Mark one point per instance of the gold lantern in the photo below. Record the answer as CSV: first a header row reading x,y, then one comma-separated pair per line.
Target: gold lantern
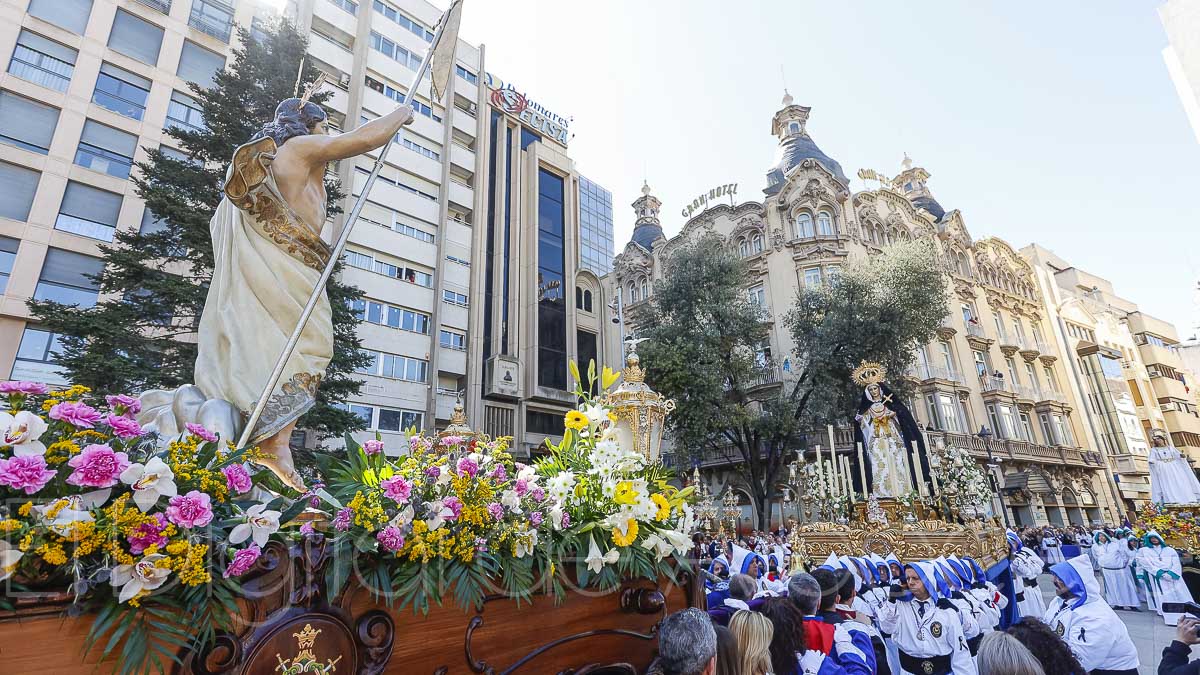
x,y
640,411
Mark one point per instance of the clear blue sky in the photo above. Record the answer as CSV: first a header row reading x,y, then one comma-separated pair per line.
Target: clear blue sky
x,y
1053,122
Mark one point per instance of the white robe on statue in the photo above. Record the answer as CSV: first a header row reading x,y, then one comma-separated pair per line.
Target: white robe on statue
x,y
884,445
1165,576
266,263
1171,479
1114,557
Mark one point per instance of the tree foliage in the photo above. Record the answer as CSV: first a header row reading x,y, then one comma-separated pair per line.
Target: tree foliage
x,y
141,335
733,404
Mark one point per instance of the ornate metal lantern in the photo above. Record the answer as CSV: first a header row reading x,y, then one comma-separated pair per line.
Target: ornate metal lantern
x,y
458,424
732,510
640,411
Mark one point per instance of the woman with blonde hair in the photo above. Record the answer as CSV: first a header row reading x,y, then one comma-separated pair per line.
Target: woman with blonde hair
x,y
1002,654
753,632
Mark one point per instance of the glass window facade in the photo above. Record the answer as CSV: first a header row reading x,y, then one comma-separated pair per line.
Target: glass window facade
x,y
197,64
43,61
8,256
184,111
595,228
88,212
552,320
586,343
105,149
70,14
121,91
36,356
212,17
397,16
18,186
135,38
26,123
69,278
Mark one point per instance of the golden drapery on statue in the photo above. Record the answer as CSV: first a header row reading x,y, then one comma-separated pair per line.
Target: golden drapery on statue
x,y
266,263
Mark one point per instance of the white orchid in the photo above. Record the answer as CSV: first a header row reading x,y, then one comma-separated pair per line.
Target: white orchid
x,y
444,476
260,525
149,481
556,516
511,501
9,557
440,514
688,520
596,561
561,485
144,575
661,547
70,510
526,542
404,517
22,432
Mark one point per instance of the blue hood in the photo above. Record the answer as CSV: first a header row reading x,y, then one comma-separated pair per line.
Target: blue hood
x,y
1014,542
925,571
1076,574
976,569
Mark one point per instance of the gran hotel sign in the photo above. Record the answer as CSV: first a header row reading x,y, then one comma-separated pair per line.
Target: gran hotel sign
x,y
530,113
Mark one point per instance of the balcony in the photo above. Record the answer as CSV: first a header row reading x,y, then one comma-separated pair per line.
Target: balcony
x,y
464,122
461,194
1152,354
463,157
1051,396
1144,323
927,373
992,384
446,400
212,18
977,338
1009,344
1169,387
1181,421
1016,450
1047,352
163,6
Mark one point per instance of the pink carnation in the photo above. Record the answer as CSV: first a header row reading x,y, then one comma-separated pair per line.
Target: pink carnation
x,y
79,415
123,427
467,466
343,519
191,510
451,440
243,560
124,405
496,509
97,466
148,534
201,433
535,518
538,494
20,387
397,489
26,473
237,478
455,507
372,447
499,473
390,538
521,487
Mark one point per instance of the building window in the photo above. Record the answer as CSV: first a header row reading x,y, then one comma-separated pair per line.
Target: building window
x,y
645,288
551,314
390,315
395,52
458,261
396,367
70,14
949,413
1012,370
793,128
212,17
452,340
545,423
824,224
36,357
418,148
18,186
135,38
397,96
804,226
947,357
981,364
88,212
466,74
1051,381
69,278
121,91
744,247
105,149
184,111
399,420
26,123
199,65
364,412
1047,429
396,15
43,61
812,278
8,256
454,298
346,5
758,295
1026,428
1062,429
995,421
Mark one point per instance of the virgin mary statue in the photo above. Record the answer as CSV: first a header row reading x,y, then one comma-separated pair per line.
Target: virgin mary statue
x,y
886,430
1171,479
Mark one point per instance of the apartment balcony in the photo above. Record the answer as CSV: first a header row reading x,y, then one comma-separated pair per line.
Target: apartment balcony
x,y
1169,387
461,156
946,330
1181,421
1016,450
1028,394
163,6
1009,344
464,122
338,17
446,400
977,338
216,27
333,53
930,373
1051,396
1047,353
1152,354
461,194
452,361
1144,323
990,384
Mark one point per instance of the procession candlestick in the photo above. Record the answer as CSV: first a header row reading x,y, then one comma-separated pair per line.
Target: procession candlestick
x,y
847,474
833,475
820,475
862,471
340,245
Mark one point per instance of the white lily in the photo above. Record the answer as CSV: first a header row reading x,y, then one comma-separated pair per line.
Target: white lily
x,y
661,547
555,515
595,414
440,514
22,432
511,501
678,540
9,557
403,518
149,481
444,476
143,575
689,519
73,509
260,525
596,561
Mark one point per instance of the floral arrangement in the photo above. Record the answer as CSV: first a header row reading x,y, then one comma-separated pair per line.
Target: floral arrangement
x,y
962,480
152,539
458,512
1178,530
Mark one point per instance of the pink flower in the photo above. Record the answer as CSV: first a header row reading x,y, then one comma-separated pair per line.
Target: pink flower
x,y
451,440
499,473
201,433
124,405
237,478
455,507
539,495
123,427
521,487
79,415
433,471
535,518
97,466
468,466
566,520
397,489
26,473
496,509
243,560
147,535
372,447
341,522
307,529
20,387
390,538
191,510
412,442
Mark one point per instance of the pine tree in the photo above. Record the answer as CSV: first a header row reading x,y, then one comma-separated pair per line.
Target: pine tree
x,y
143,335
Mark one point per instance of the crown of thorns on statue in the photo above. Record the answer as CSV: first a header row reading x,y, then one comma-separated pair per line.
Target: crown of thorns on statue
x,y
868,373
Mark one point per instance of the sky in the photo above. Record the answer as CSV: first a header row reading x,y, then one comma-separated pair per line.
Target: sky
x,y
1048,122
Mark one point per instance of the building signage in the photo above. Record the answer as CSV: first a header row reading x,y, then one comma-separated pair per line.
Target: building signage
x,y
529,112
700,203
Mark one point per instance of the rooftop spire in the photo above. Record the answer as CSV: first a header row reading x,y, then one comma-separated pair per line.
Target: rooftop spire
x,y
646,226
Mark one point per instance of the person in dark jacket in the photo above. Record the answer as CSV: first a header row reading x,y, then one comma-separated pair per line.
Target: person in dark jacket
x,y
1175,656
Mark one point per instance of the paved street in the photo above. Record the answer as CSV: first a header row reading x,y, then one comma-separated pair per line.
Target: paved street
x,y
1146,628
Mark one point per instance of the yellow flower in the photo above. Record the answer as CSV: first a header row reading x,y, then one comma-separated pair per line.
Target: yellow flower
x,y
664,507
575,420
625,494
608,377
631,533
25,509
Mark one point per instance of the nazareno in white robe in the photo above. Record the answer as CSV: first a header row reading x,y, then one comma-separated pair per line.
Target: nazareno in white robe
x,y
1171,479
1165,575
1089,627
1114,557
266,263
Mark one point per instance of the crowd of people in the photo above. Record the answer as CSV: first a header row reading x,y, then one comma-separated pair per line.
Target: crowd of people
x,y
880,614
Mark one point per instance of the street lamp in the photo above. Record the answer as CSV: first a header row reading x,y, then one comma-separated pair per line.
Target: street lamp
x,y
986,435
